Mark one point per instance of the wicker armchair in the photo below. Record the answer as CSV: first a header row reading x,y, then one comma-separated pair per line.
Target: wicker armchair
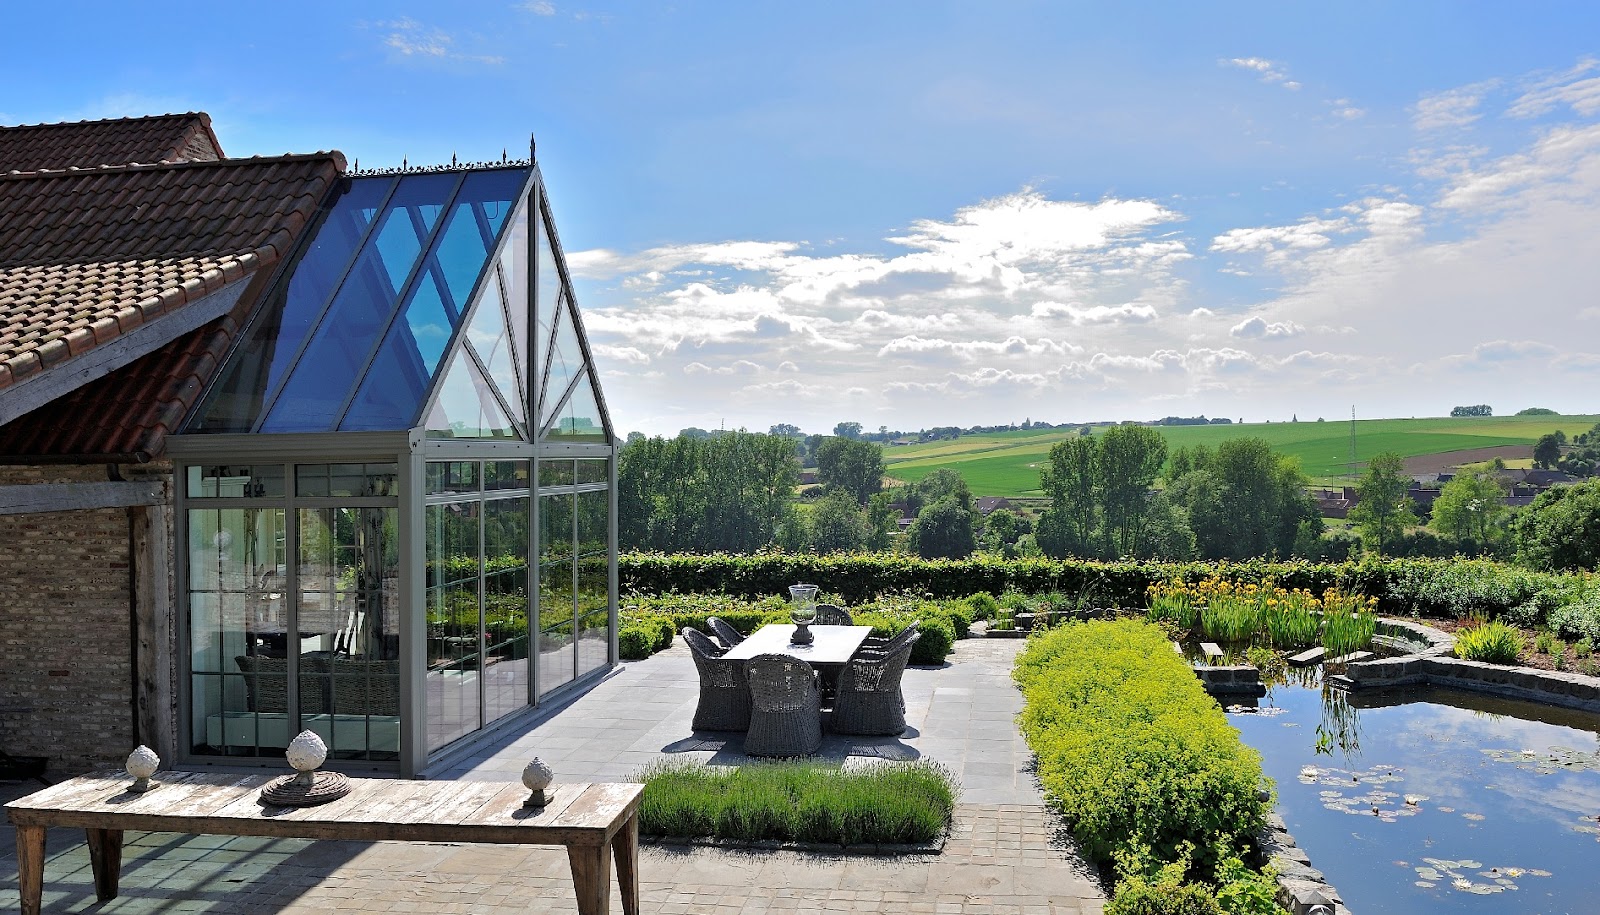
x,y
724,631
868,699
786,708
724,696
833,615
880,646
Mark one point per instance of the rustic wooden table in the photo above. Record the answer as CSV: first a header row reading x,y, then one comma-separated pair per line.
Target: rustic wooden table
x,y
593,821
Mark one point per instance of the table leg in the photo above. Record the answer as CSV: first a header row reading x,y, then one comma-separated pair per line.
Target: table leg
x,y
30,867
591,877
625,848
105,859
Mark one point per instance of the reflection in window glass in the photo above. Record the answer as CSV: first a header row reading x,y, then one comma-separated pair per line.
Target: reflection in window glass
x,y
452,607
498,475
557,626
593,511
282,324
506,607
593,472
514,275
452,476
328,480
580,419
235,481
489,339
237,603
555,472
549,280
393,390
466,407
324,376
347,634
566,360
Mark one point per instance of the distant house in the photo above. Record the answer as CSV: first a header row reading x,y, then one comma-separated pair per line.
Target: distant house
x,y
1334,503
989,504
808,477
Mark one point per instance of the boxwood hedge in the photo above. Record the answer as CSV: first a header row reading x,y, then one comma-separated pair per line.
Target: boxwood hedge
x,y
1131,751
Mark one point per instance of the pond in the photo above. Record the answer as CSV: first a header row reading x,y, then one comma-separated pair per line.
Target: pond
x,y
1430,800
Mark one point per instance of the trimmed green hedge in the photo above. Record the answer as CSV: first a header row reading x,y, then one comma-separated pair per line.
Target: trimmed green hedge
x,y
1429,587
1136,757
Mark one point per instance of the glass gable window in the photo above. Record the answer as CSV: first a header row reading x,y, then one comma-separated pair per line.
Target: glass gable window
x,y
397,524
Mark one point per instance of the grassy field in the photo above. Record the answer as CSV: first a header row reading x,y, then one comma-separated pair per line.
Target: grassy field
x,y
1007,463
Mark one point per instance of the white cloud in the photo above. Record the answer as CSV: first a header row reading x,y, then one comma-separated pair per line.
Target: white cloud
x,y
624,354
540,7
1258,328
975,349
1453,108
1269,71
1127,313
411,38
1570,88
1312,233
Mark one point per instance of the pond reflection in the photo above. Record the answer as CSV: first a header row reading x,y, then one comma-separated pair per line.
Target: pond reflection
x,y
1423,800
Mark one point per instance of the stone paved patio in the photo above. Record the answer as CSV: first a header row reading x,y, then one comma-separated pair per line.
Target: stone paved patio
x,y
1002,857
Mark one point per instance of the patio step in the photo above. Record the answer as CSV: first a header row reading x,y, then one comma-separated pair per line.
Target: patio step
x,y
1351,658
1308,657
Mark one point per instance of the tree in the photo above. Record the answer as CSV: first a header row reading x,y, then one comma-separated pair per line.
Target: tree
x,y
729,492
1383,510
1469,507
1561,529
847,430
1547,451
787,430
1242,500
1481,409
943,531
944,483
1128,461
1537,411
1068,478
693,432
855,467
838,525
883,520
634,436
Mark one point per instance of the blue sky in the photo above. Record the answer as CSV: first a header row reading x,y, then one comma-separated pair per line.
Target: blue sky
x,y
916,214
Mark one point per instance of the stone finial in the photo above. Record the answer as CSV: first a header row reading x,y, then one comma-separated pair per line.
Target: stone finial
x,y
537,777
142,763
305,753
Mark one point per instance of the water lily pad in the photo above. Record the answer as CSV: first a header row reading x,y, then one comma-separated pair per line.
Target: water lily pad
x,y
1426,885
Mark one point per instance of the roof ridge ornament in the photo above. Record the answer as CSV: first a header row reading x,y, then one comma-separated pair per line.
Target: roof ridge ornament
x,y
454,165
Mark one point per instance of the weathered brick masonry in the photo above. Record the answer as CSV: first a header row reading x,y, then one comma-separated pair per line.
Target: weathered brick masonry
x,y
66,627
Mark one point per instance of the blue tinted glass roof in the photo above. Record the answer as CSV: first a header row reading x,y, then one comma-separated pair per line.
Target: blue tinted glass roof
x,y
354,332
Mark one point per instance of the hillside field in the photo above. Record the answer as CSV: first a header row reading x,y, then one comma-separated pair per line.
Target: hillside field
x,y
1007,463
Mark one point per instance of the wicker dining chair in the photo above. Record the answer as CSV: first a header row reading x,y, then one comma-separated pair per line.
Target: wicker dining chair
x,y
785,707
724,631
879,646
833,615
868,699
724,695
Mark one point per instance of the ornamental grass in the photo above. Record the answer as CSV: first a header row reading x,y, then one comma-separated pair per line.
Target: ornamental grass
x,y
891,803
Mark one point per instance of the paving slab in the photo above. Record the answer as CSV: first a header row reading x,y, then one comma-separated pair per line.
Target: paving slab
x,y
1004,853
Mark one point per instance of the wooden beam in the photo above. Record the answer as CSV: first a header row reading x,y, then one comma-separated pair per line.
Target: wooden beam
x,y
65,497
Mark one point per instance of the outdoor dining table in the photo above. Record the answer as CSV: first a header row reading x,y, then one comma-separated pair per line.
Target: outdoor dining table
x,y
831,646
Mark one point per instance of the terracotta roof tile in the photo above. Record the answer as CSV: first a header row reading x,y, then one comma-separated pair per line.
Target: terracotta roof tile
x,y
134,408
90,249
119,141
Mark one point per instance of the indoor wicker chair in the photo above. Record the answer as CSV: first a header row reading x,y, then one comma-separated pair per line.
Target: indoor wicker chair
x,y
724,631
786,708
833,615
724,696
868,699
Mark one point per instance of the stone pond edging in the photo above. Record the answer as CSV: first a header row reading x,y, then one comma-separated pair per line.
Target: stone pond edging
x,y
1435,665
1302,889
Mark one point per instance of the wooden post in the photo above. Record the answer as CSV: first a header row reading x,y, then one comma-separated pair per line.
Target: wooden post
x,y
105,859
591,877
625,848
30,867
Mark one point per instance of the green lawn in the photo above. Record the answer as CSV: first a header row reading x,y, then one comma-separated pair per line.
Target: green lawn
x,y
1007,463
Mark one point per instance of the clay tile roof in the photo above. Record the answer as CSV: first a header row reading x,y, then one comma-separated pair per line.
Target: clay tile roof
x,y
120,141
87,256
133,408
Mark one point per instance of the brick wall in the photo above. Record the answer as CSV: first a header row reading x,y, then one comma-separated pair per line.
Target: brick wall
x,y
65,632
